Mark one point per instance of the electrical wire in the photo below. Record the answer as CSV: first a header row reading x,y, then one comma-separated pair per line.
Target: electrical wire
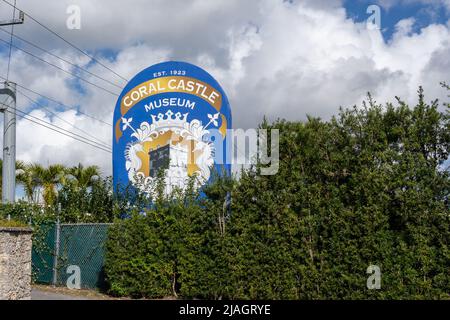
x,y
58,57
65,106
68,42
62,119
76,134
63,70
99,145
105,145
60,128
60,103
55,128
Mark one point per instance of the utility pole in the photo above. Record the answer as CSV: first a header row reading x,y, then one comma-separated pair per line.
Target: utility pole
x,y
8,107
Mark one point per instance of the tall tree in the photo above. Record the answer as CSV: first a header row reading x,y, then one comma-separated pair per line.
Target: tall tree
x,y
20,169
49,178
26,176
84,176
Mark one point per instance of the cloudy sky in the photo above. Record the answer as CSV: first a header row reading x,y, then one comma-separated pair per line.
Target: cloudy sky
x,y
276,58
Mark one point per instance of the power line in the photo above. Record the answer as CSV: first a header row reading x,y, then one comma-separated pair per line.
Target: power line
x,y
10,42
62,129
65,106
62,119
65,134
49,123
58,57
68,107
63,70
59,103
75,134
69,43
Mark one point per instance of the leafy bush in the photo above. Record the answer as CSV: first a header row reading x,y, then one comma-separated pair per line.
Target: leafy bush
x,y
153,252
89,204
25,212
365,188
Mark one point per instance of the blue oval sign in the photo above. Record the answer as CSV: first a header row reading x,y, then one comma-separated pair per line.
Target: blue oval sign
x,y
172,116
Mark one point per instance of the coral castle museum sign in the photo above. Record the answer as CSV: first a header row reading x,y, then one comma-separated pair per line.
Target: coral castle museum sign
x,y
171,120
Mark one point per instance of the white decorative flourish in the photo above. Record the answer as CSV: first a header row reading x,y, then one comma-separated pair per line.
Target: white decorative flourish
x,y
133,163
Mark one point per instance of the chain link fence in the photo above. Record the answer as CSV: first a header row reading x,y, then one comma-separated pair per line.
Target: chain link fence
x,y
58,249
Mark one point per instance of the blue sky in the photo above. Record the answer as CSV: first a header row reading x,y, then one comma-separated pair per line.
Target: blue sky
x,y
424,13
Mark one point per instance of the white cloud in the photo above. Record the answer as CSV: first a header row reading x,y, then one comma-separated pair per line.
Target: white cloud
x,y
275,58
38,144
404,27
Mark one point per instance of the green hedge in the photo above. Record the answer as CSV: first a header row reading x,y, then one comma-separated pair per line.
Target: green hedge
x,y
12,224
153,254
365,188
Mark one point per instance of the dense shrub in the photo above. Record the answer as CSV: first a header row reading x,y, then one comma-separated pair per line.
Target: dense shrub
x,y
153,252
86,204
74,204
366,188
25,212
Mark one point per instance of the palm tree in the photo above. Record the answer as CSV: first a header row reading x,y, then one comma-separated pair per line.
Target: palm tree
x,y
84,176
20,168
25,175
48,179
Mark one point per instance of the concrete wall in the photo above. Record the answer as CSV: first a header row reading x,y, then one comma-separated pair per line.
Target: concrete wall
x,y
15,263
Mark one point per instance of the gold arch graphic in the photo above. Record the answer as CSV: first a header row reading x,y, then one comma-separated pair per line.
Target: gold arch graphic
x,y
165,139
